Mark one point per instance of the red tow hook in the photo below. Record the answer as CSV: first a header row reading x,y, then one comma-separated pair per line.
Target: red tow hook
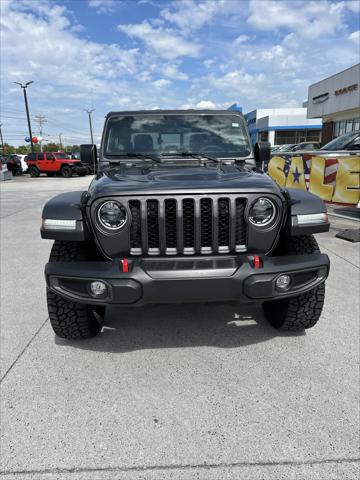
x,y
125,265
257,263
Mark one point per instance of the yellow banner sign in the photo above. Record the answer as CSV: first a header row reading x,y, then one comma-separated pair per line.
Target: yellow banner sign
x,y
334,179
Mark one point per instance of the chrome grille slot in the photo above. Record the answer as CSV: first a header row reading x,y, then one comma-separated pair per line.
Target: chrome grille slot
x,y
224,224
206,223
135,228
187,225
240,229
170,224
153,226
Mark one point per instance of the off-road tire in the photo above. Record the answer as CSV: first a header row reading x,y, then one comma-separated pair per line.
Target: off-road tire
x,y
72,320
34,172
302,311
66,172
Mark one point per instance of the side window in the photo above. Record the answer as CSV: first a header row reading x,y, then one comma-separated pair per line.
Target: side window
x,y
355,144
31,157
40,156
49,156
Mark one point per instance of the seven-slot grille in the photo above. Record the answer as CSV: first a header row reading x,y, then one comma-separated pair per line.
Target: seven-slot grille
x,y
184,225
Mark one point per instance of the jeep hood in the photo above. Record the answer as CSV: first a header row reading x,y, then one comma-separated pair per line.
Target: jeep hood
x,y
162,179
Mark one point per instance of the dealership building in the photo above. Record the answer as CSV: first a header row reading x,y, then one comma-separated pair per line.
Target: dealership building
x,y
336,100
283,126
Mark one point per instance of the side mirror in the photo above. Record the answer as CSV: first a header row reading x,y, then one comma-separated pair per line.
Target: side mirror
x,y
88,154
262,153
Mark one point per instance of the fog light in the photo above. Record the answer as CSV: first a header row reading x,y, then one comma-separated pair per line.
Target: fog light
x,y
283,283
98,289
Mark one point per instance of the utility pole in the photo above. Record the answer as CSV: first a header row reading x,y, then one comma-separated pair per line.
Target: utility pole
x,y
40,119
24,87
60,141
2,140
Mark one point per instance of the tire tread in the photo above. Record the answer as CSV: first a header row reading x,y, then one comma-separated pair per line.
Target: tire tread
x,y
302,311
71,320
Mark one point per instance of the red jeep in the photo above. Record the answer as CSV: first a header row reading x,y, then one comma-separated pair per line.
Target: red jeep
x,y
53,163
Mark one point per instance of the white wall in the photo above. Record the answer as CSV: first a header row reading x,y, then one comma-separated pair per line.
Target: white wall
x,y
294,118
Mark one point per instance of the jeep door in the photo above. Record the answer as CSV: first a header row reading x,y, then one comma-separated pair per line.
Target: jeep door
x,y
51,163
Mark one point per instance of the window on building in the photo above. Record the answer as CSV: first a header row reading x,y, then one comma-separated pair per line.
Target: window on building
x,y
346,126
283,137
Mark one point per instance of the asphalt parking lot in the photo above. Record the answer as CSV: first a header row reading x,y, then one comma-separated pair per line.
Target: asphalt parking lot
x,y
172,392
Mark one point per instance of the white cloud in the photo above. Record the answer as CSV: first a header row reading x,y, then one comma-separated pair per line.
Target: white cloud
x,y
164,42
309,19
172,71
241,39
355,37
191,15
238,82
353,5
209,62
206,104
104,6
162,82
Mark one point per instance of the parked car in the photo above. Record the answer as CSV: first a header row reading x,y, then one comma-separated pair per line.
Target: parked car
x,y
23,163
347,141
13,163
199,223
306,146
53,163
286,147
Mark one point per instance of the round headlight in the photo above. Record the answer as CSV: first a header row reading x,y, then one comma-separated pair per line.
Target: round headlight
x,y
262,212
112,215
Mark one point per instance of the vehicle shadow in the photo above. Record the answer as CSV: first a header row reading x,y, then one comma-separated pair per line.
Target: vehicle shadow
x,y
223,325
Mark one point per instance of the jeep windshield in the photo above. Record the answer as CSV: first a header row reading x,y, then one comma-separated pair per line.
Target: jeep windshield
x,y
162,135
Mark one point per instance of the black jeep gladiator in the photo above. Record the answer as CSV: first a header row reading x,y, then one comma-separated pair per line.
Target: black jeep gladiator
x,y
180,211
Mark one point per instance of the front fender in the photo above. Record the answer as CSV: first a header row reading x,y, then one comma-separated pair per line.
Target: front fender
x,y
307,213
63,218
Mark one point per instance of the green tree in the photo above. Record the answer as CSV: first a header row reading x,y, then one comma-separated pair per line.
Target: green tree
x,y
8,149
23,149
73,148
51,147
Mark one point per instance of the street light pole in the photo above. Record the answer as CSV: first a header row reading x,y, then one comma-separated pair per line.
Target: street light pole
x,y
24,87
90,124
92,137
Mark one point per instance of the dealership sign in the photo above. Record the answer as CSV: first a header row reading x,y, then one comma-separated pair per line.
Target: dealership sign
x,y
335,179
350,88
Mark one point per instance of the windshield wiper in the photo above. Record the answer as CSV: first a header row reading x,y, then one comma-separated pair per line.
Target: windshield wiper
x,y
199,156
137,155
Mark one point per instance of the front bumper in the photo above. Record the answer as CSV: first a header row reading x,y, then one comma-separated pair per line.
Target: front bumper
x,y
199,279
80,169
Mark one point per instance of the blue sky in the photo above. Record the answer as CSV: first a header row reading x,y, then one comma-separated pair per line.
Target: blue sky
x,y
147,54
